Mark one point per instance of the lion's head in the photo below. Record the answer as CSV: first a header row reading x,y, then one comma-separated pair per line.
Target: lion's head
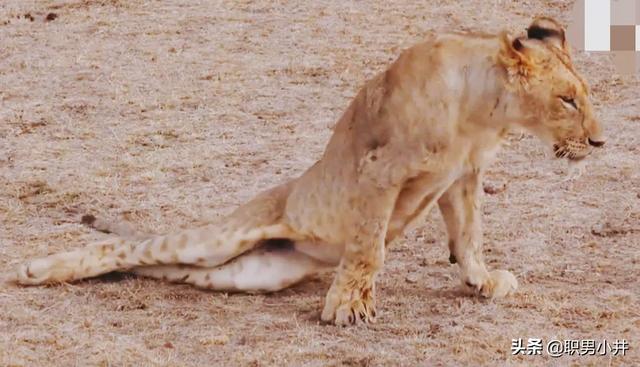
x,y
551,94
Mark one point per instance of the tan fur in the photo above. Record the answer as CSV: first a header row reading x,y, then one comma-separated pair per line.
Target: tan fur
x,y
417,135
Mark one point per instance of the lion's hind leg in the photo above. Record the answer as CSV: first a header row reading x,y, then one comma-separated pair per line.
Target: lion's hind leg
x,y
265,269
208,246
70,265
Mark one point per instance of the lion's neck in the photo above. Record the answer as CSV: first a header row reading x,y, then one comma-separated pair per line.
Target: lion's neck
x,y
489,104
497,93
489,108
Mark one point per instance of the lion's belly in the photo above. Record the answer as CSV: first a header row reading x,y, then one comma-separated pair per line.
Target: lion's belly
x,y
421,193
416,199
322,251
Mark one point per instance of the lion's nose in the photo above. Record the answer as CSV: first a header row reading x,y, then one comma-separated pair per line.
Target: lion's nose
x,y
596,143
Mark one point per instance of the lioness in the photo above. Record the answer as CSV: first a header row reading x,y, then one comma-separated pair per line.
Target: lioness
x,y
420,133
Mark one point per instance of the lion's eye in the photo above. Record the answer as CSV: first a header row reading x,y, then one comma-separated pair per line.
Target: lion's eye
x,y
568,101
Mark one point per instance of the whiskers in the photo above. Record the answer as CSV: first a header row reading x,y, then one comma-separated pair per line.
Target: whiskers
x,y
560,151
571,152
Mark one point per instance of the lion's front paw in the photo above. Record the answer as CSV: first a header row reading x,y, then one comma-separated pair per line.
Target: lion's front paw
x,y
352,307
501,284
497,284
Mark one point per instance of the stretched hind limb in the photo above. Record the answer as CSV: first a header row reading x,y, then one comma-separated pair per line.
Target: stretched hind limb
x,y
207,246
259,270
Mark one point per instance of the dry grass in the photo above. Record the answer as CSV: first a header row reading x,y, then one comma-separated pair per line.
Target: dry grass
x,y
171,112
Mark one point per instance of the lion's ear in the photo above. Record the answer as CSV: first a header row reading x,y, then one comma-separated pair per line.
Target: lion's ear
x,y
512,50
514,57
548,31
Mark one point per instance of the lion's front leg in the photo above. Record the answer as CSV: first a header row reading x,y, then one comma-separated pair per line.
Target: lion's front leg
x,y
351,298
460,207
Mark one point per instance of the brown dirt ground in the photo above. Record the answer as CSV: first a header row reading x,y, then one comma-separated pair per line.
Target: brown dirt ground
x,y
169,113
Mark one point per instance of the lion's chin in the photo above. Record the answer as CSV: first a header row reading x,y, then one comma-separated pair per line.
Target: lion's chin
x,y
577,158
